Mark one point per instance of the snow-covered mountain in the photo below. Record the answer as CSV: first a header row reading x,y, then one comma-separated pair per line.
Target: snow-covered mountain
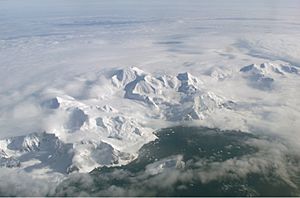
x,y
262,76
6,161
70,102
108,130
94,134
175,97
42,149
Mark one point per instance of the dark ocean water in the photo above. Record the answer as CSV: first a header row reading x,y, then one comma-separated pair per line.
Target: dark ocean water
x,y
188,161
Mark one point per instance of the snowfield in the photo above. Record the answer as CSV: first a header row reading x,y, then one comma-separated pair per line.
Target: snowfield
x,y
85,84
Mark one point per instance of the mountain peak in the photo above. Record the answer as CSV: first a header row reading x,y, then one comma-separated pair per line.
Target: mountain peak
x,y
124,76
